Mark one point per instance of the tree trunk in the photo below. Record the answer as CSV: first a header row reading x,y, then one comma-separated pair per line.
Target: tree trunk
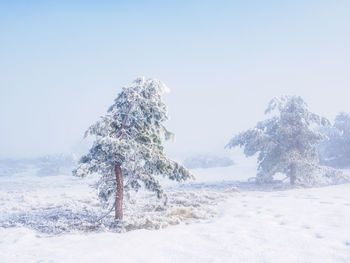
x,y
292,173
120,192
119,176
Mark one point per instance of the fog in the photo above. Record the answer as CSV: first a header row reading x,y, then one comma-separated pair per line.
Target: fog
x,y
62,66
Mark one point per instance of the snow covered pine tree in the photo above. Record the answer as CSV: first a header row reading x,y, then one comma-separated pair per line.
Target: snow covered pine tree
x,y
128,150
287,144
335,151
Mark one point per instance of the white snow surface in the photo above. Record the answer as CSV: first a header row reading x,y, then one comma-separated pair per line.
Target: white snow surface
x,y
207,220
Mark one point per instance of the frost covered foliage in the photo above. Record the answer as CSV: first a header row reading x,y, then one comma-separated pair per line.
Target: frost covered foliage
x,y
287,143
57,212
335,150
130,135
66,204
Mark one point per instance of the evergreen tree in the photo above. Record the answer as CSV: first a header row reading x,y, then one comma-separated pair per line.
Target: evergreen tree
x,y
128,150
335,150
286,143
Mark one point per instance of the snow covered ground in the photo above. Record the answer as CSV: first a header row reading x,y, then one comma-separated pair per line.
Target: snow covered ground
x,y
206,221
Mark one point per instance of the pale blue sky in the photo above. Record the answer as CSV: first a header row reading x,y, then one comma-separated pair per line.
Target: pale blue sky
x,y
62,64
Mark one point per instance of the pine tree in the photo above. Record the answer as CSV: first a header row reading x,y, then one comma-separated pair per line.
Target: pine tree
x,y
335,150
286,143
128,150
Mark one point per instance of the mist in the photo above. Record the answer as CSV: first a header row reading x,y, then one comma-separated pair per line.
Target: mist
x,y
62,67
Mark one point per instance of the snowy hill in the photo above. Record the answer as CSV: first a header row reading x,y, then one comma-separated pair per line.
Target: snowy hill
x,y
41,166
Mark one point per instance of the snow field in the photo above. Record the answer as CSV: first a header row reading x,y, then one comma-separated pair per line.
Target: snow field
x,y
299,225
214,222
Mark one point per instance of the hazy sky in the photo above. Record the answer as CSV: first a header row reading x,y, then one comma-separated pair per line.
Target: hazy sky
x,y
62,65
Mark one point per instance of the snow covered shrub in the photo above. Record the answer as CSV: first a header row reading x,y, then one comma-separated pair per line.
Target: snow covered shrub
x,y
207,161
335,150
55,164
287,143
128,150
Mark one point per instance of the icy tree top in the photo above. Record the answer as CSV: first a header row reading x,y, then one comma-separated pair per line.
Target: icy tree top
x,y
296,106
